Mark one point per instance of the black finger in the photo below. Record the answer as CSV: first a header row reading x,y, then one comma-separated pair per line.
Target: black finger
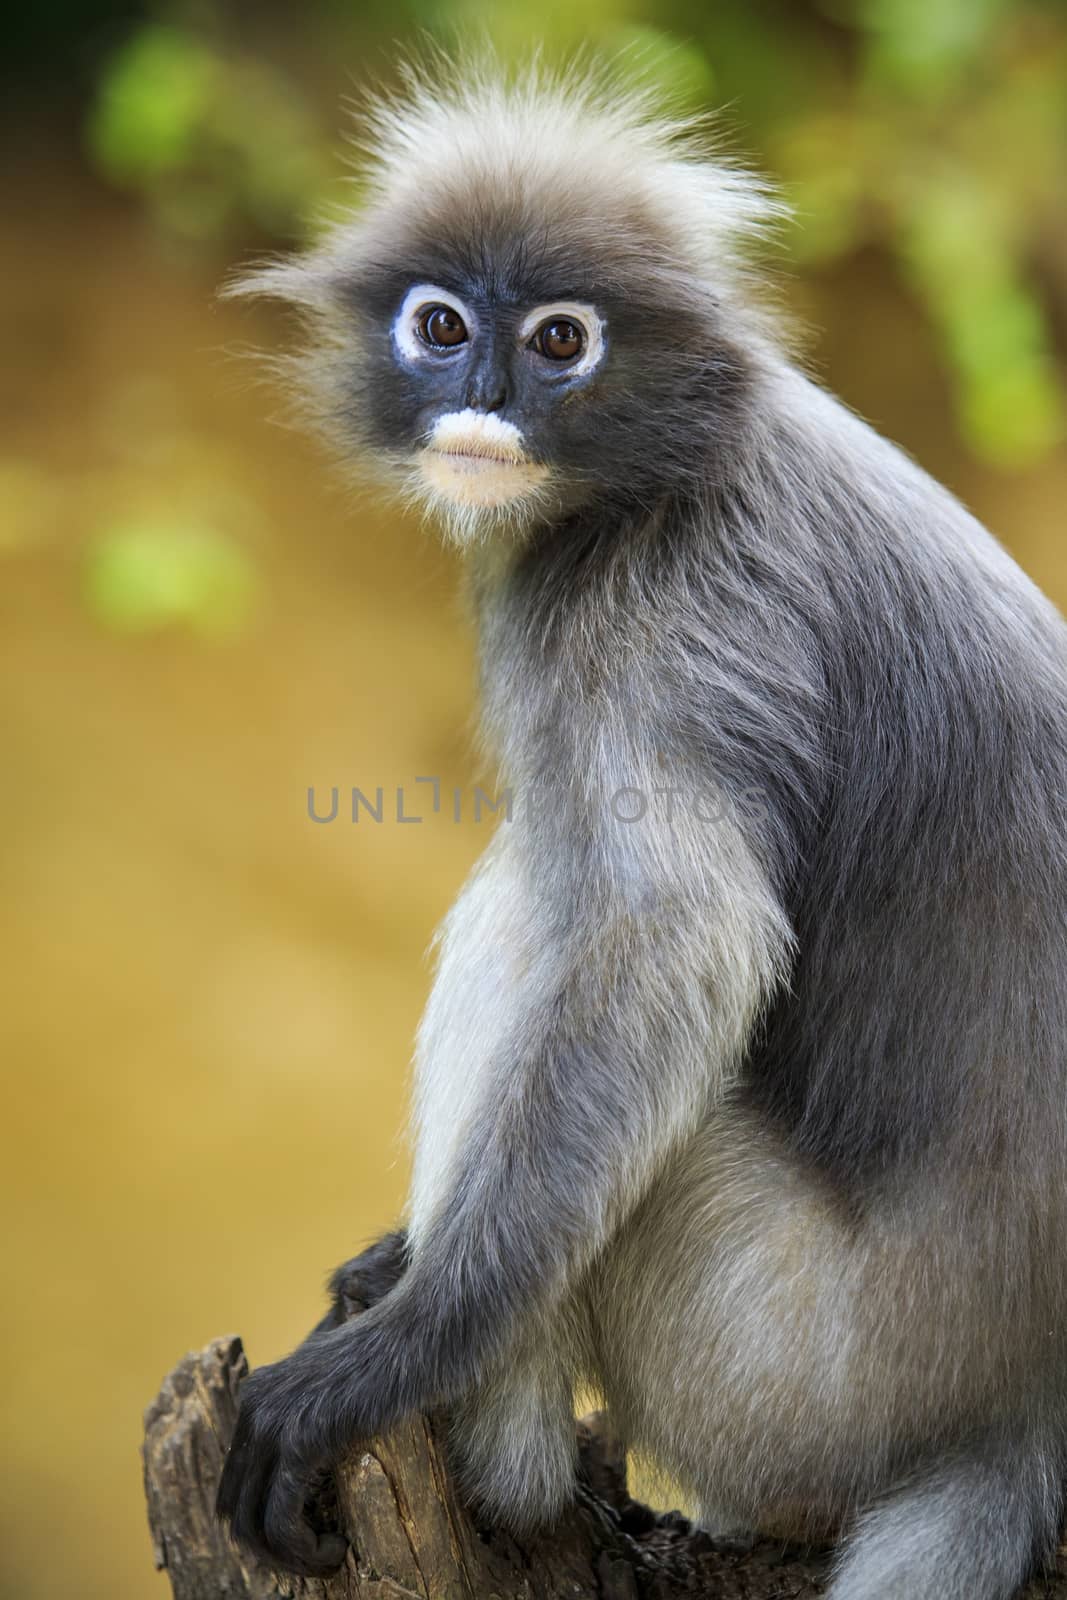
x,y
256,1465
289,1535
233,1470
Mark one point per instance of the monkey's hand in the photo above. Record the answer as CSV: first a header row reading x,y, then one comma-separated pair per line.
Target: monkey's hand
x,y
354,1287
360,1283
296,1419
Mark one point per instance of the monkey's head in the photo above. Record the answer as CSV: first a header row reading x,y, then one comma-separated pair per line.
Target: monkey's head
x,y
536,305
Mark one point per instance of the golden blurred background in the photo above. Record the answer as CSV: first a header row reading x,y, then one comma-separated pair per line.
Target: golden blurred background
x,y
210,998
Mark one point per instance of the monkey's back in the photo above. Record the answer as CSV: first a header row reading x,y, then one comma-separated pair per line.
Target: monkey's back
x,y
926,1020
860,1258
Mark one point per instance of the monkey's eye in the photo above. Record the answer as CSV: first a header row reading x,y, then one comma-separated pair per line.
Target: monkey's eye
x,y
559,339
569,334
441,327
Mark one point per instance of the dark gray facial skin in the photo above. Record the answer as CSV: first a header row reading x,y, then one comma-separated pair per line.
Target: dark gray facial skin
x,y
494,368
606,433
756,1125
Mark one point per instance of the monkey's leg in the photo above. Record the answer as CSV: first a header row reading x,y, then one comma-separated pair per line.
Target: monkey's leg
x,y
973,1528
717,1324
360,1283
752,1344
512,1439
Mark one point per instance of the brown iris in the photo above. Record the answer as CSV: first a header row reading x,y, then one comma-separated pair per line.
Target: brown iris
x,y
559,339
441,327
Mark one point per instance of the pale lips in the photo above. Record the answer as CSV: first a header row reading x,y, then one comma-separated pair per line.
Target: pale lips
x,y
477,458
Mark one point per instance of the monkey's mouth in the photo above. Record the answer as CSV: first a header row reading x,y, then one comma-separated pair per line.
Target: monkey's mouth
x,y
476,458
476,478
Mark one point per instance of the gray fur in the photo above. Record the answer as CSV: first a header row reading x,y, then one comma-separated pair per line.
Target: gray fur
x,y
757,1125
976,1520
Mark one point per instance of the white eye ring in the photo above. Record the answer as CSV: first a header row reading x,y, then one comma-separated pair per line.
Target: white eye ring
x,y
405,327
587,318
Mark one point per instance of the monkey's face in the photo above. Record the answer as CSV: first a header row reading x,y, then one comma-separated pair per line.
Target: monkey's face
x,y
491,379
508,365
535,309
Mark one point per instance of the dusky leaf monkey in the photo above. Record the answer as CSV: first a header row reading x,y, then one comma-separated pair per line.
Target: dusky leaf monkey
x,y
753,1117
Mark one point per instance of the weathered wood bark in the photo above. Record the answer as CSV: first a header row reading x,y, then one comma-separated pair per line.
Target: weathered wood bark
x,y
412,1540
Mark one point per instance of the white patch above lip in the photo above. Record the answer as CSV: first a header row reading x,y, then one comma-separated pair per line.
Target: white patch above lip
x,y
480,435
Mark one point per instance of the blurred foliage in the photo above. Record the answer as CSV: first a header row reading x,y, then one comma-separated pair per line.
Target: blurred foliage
x,y
144,576
207,137
946,146
933,130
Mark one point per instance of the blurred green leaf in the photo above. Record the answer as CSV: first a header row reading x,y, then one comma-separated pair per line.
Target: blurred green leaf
x,y
208,136
150,102
957,250
1015,415
150,575
927,44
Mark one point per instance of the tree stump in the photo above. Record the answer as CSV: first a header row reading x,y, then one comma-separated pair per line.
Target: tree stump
x,y
411,1539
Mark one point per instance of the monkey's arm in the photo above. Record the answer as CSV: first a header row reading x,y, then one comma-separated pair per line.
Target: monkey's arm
x,y
633,1025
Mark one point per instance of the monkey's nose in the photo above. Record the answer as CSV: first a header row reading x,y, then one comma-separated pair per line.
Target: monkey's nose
x,y
491,395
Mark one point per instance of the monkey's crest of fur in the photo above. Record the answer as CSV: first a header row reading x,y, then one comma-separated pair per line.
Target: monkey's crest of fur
x,y
587,140
488,140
